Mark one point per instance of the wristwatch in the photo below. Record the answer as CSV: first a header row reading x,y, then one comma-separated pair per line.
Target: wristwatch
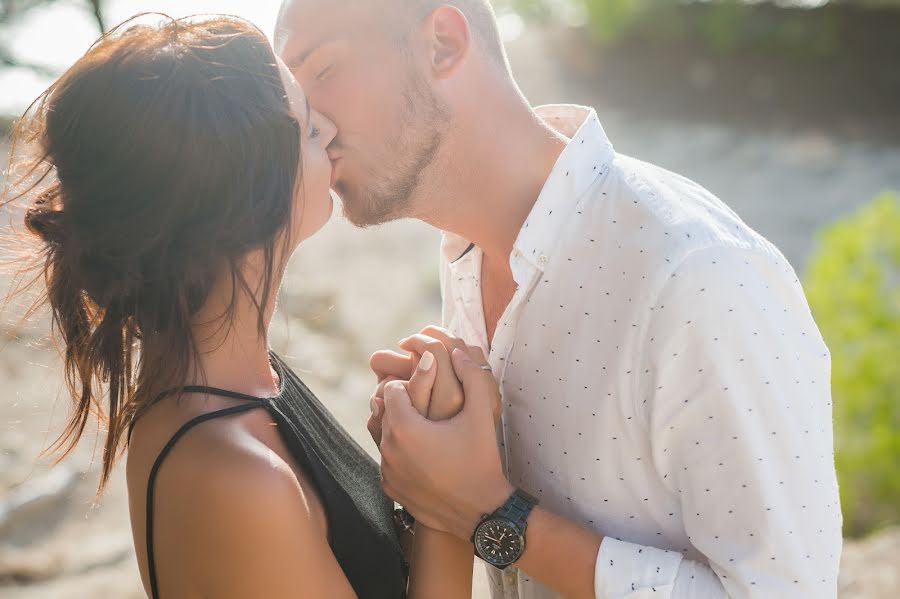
x,y
404,521
499,538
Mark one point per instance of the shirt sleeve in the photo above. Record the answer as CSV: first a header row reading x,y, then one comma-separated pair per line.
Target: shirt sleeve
x,y
737,401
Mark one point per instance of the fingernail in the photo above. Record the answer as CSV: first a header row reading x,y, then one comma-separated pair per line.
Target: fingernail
x,y
373,405
426,362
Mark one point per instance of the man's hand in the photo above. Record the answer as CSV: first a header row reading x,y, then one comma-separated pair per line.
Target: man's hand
x,y
447,474
446,399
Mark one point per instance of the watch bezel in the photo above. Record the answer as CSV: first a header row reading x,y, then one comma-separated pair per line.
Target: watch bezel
x,y
509,524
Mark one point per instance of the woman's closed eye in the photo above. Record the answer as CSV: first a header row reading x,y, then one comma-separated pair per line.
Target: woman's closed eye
x,y
312,130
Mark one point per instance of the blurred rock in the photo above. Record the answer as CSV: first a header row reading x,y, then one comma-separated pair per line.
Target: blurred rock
x,y
870,569
20,566
35,507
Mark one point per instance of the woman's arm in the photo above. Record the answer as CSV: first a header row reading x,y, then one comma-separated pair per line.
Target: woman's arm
x,y
441,566
240,524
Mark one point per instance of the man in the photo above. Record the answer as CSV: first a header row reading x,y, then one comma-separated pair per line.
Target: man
x,y
665,391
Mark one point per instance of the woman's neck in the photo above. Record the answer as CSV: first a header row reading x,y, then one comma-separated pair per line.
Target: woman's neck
x,y
232,343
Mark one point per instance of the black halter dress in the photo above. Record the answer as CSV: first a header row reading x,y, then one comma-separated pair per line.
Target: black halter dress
x,y
360,517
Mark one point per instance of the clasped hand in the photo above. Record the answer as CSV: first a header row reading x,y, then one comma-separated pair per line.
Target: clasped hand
x,y
434,417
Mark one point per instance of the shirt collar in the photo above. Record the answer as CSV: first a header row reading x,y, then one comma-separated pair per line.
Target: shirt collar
x,y
586,156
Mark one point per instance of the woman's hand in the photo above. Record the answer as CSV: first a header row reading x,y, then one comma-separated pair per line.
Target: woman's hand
x,y
446,398
452,404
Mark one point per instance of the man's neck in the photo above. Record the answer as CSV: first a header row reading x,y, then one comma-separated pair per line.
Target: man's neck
x,y
501,158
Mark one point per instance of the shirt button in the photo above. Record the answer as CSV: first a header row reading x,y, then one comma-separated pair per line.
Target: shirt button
x,y
542,259
509,577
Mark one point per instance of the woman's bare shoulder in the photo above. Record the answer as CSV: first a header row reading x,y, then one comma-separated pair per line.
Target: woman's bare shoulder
x,y
234,509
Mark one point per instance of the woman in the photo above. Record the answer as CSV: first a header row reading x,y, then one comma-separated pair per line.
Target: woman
x,y
186,168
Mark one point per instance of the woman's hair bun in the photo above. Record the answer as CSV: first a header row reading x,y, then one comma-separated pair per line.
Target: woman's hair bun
x,y
46,220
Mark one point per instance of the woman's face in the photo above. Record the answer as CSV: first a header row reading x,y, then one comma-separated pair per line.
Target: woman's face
x,y
313,204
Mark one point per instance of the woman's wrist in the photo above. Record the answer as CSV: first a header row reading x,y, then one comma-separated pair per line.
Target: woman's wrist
x,y
441,564
428,540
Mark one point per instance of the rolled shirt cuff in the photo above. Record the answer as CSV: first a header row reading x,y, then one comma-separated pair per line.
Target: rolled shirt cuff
x,y
628,571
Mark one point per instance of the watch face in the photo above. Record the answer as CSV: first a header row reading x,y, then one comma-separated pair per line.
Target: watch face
x,y
498,542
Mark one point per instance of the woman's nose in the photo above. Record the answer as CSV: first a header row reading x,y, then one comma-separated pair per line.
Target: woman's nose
x,y
327,129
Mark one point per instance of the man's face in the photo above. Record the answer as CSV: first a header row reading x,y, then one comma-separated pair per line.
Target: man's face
x,y
354,63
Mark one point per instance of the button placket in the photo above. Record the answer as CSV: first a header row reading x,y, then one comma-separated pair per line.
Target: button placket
x,y
504,341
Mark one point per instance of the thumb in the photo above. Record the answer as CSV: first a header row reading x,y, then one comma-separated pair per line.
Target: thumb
x,y
398,407
422,382
479,385
376,404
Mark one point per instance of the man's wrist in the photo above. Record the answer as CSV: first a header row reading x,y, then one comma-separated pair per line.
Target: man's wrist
x,y
486,503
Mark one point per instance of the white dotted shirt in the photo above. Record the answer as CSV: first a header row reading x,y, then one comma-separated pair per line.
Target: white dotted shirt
x,y
663,383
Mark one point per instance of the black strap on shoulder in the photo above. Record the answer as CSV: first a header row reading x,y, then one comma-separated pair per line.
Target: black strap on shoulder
x,y
196,389
151,483
221,392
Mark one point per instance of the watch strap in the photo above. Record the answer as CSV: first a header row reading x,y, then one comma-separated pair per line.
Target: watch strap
x,y
517,508
404,521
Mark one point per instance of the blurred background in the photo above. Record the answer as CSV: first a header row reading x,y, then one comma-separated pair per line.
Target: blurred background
x,y
789,111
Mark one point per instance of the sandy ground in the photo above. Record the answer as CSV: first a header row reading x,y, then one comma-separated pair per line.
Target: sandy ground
x,y
350,292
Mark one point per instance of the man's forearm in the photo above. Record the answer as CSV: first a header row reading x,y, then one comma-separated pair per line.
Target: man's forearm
x,y
560,554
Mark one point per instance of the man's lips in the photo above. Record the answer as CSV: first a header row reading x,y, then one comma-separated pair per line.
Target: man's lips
x,y
334,170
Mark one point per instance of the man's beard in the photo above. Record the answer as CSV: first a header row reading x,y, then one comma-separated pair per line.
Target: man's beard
x,y
389,190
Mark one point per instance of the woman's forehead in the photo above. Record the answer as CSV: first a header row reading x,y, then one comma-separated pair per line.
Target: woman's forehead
x,y
294,91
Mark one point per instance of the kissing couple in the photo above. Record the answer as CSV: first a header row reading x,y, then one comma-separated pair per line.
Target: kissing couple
x,y
627,396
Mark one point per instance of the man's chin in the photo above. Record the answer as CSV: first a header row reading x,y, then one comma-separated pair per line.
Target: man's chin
x,y
359,210
357,220
348,206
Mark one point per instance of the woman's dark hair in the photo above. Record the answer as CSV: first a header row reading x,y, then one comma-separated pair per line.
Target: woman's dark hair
x,y
165,156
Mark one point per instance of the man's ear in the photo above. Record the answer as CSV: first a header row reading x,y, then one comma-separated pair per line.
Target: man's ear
x,y
449,40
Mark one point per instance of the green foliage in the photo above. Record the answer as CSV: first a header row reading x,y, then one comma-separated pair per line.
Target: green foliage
x,y
853,286
611,19
724,26
720,27
535,9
